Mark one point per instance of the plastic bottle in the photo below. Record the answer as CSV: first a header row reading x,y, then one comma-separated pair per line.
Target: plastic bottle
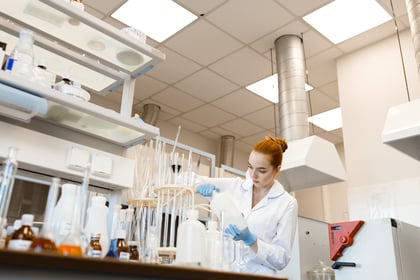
x,y
212,247
94,249
42,76
7,177
63,212
22,238
45,241
97,220
189,240
21,59
224,203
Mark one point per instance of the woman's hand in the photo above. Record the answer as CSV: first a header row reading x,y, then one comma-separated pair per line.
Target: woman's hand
x,y
245,235
206,189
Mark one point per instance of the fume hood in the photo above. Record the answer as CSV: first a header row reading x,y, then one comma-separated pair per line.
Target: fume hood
x,y
402,128
310,162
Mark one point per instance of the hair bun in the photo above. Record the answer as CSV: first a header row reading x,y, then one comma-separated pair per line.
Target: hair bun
x,y
280,141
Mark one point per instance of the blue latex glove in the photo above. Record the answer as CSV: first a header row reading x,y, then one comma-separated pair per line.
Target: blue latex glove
x,y
245,235
207,189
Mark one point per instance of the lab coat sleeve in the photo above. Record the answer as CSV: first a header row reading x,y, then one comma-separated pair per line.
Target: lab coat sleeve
x,y
277,253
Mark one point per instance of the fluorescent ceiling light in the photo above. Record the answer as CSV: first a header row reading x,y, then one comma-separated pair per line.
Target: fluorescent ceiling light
x,y
343,19
328,120
268,88
158,19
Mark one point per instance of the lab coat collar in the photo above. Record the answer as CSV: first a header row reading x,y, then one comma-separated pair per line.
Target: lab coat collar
x,y
276,190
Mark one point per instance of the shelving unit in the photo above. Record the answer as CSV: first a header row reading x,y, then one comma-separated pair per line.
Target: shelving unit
x,y
102,58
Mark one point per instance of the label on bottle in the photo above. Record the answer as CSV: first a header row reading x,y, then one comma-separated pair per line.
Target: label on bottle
x,y
124,256
94,253
19,244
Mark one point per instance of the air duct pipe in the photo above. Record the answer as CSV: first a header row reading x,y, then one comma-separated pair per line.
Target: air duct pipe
x,y
292,106
227,150
151,113
309,161
413,12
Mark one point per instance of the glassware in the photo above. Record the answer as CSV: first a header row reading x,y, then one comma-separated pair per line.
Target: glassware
x,y
22,238
239,264
45,241
94,249
72,243
134,253
97,221
7,178
212,247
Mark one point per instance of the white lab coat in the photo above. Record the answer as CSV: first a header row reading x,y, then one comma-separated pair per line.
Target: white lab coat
x,y
273,220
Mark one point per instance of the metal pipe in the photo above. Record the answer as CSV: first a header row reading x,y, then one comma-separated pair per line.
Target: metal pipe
x,y
293,105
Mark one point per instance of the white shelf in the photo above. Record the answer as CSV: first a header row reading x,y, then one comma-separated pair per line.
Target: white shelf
x,y
73,113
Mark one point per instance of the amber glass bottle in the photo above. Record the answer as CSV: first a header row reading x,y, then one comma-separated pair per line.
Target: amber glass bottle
x,y
22,238
94,249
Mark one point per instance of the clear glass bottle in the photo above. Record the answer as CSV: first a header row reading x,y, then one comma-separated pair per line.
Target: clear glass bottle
x,y
72,243
45,241
22,238
239,264
94,249
21,59
7,177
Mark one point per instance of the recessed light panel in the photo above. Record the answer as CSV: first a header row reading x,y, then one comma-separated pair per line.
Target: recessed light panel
x,y
343,19
268,88
158,19
328,120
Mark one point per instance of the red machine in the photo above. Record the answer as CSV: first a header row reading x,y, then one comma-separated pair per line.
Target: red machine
x,y
341,236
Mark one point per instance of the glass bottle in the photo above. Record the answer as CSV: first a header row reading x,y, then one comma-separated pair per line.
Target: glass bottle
x,y
7,177
134,253
45,241
72,243
94,249
122,248
22,238
21,59
239,264
112,251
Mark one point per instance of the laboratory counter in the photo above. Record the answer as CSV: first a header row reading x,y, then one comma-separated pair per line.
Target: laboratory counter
x,y
26,265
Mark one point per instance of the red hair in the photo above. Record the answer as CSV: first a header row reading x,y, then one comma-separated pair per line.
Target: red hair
x,y
274,147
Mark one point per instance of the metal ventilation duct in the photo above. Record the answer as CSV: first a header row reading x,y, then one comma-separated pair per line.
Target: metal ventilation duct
x,y
402,124
227,150
150,113
309,161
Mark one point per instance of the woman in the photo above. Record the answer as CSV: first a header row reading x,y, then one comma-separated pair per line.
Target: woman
x,y
269,210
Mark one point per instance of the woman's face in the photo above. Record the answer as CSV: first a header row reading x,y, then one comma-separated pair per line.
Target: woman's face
x,y
260,170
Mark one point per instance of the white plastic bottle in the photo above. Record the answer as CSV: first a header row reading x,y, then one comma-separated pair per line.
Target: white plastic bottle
x,y
97,221
212,247
189,240
224,203
63,212
21,59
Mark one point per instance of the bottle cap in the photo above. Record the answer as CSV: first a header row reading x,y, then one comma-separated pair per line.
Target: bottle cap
x,y
192,214
17,224
27,219
98,200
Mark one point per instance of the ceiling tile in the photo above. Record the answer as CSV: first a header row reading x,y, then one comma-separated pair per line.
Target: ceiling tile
x,y
249,102
170,71
249,25
241,127
208,115
177,99
266,43
320,102
202,42
303,7
264,118
314,43
146,86
200,6
243,67
206,85
330,89
187,124
106,7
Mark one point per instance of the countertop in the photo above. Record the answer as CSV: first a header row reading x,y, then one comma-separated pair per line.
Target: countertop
x,y
27,265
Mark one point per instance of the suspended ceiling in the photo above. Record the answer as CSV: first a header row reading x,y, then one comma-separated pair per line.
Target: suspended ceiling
x,y
201,85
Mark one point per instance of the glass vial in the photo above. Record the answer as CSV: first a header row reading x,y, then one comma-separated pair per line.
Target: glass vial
x,y
122,247
7,177
94,249
22,238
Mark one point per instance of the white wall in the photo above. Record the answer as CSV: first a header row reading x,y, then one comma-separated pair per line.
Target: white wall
x,y
382,181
